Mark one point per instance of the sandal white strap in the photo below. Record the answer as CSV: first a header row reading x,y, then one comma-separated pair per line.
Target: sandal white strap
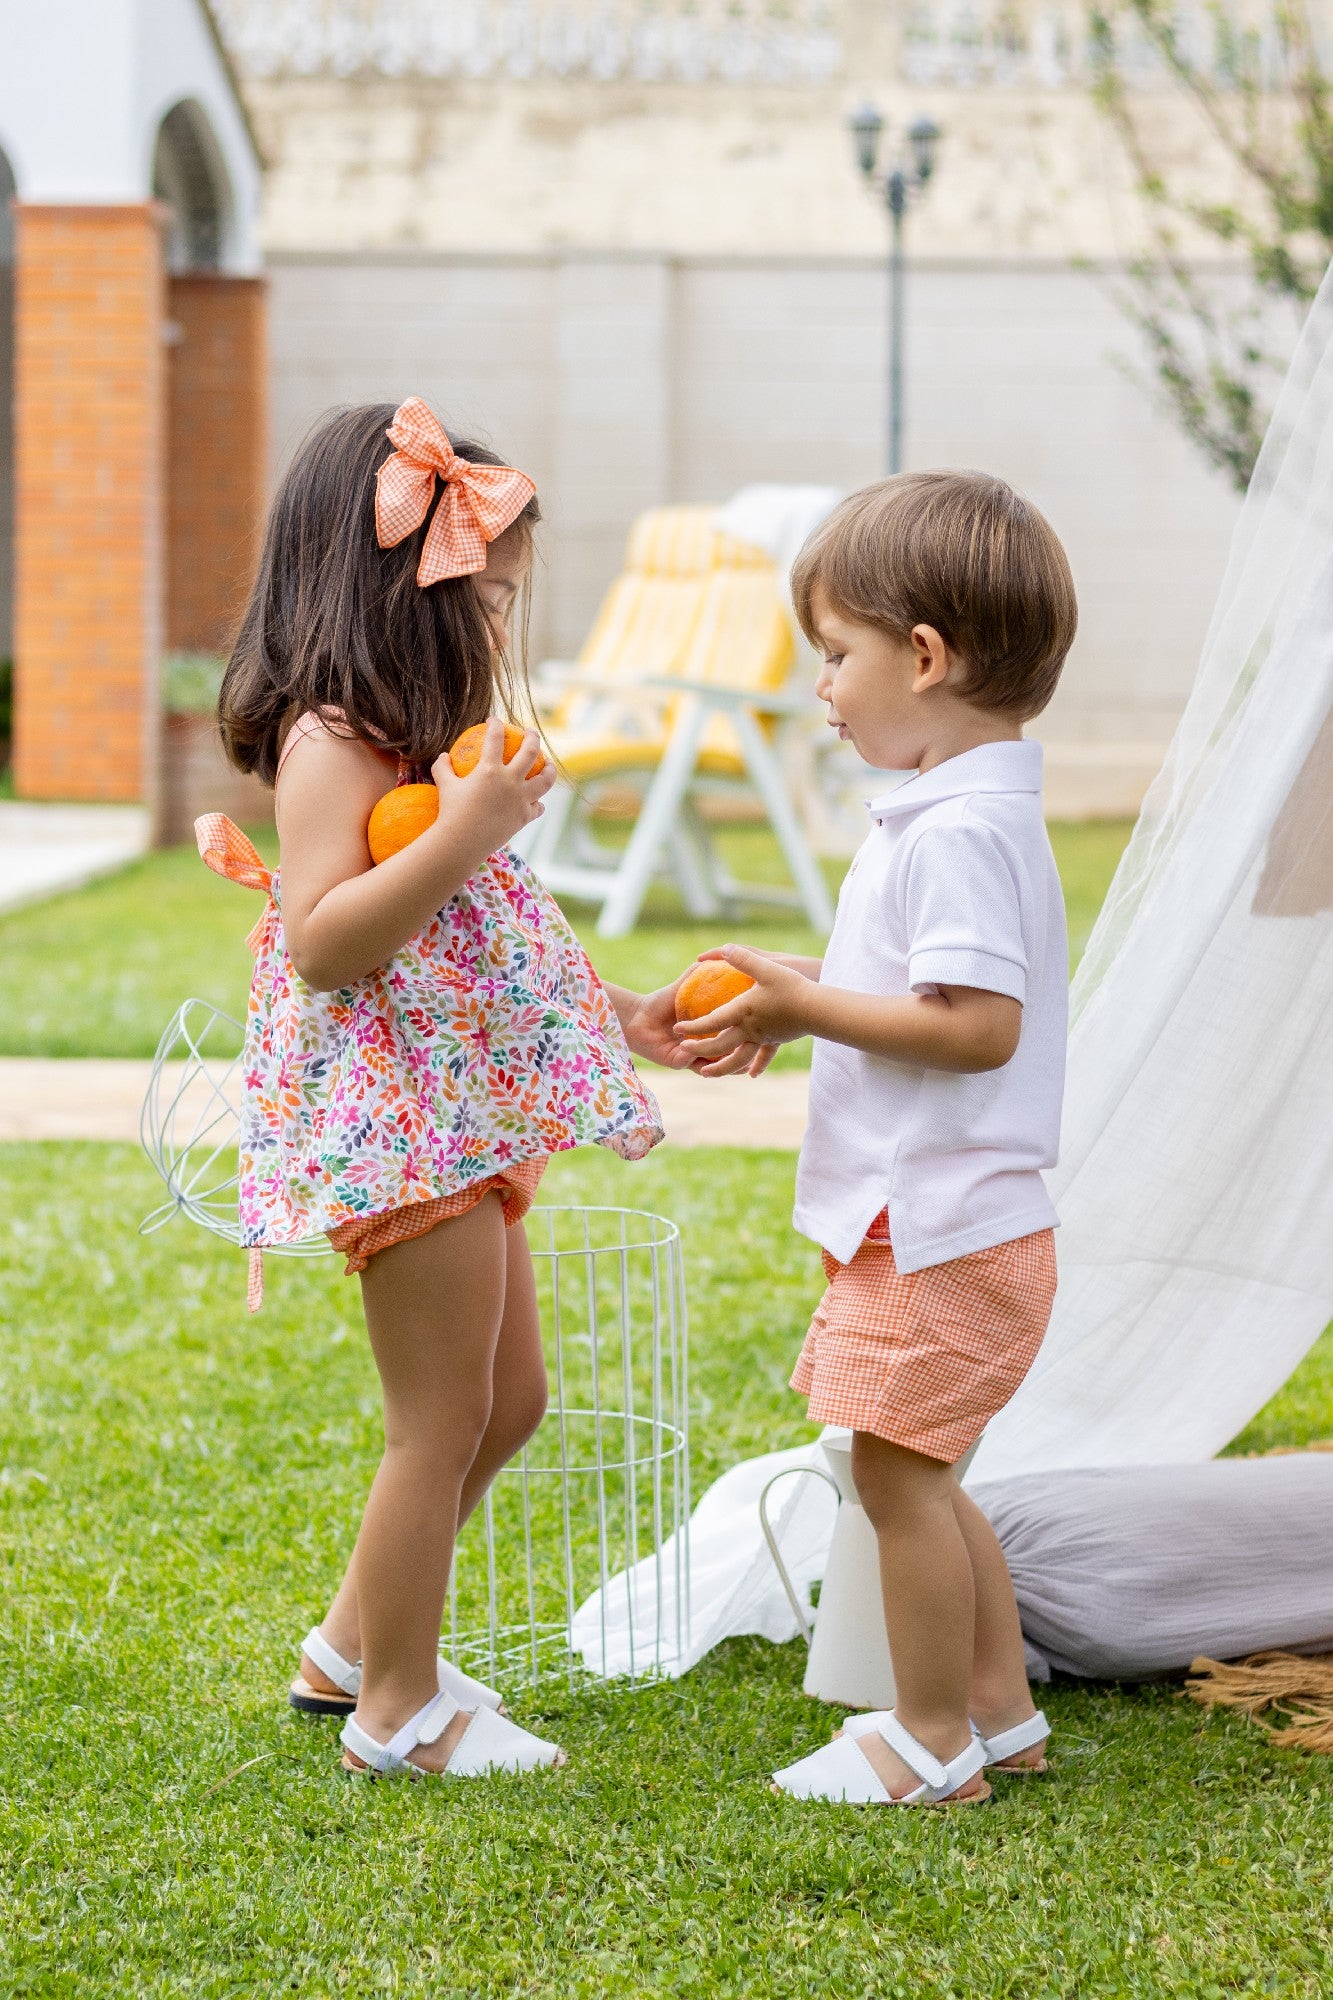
x,y
938,1779
426,1726
343,1673
346,1674
933,1773
1010,1741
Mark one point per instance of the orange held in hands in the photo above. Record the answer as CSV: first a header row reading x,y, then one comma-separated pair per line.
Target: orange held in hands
x,y
403,814
467,751
400,817
709,984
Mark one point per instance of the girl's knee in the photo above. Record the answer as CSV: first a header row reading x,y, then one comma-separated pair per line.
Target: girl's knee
x,y
517,1414
443,1436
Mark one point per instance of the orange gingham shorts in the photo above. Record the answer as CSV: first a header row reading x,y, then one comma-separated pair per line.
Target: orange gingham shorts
x,y
361,1240
926,1358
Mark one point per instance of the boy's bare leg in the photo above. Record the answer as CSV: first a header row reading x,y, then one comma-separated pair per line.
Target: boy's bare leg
x,y
1000,1695
518,1404
926,1578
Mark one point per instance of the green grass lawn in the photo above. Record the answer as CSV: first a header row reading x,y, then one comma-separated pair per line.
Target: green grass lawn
x,y
100,971
179,1487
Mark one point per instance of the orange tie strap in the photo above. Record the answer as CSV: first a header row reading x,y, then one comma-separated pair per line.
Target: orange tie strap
x,y
228,851
233,855
478,502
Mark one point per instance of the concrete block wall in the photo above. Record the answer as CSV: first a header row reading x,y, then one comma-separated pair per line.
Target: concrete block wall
x,y
624,381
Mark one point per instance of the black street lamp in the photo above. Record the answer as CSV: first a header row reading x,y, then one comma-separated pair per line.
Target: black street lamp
x,y
899,185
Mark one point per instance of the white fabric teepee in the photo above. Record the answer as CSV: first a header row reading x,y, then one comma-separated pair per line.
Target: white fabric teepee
x,y
1196,1174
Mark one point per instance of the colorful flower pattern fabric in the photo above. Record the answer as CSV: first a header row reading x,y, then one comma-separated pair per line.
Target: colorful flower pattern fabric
x,y
486,1040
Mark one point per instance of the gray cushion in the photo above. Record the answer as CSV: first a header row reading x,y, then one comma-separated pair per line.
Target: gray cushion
x,y
1131,1572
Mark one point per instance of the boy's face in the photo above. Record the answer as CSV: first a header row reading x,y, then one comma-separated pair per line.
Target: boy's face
x,y
874,685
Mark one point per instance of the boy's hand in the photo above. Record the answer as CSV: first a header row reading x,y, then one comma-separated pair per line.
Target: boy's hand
x,y
649,1022
496,800
774,1010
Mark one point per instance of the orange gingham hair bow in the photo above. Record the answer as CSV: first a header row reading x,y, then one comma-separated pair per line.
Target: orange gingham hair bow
x,y
478,502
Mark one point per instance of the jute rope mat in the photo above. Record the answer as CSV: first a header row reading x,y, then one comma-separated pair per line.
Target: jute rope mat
x,y
1293,1686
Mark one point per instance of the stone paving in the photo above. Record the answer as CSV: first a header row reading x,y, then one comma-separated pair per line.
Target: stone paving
x,y
101,1099
46,849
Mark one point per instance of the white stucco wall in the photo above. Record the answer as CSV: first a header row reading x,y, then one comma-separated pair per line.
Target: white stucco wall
x,y
84,85
623,382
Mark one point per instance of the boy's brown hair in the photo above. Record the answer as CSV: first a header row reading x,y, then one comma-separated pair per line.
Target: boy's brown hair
x,y
960,551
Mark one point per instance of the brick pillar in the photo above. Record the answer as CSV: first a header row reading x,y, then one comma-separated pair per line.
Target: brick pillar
x,y
88,449
216,442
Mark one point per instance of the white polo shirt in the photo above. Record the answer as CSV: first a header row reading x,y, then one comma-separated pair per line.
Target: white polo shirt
x,y
954,885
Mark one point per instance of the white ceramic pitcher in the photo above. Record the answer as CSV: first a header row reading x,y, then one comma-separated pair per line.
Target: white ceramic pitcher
x,y
849,1650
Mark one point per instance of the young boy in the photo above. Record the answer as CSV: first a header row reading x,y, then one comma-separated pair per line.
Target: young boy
x,y
944,608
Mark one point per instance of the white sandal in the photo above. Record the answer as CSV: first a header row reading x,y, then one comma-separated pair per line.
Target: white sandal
x,y
346,1677
841,1770
489,1743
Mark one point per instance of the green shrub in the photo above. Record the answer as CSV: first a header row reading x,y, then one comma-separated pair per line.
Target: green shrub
x,y
190,682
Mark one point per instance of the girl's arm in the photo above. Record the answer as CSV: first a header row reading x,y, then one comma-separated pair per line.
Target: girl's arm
x,y
960,1028
343,917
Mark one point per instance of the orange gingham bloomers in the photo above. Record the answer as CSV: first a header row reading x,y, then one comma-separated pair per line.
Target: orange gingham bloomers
x,y
486,1042
926,1358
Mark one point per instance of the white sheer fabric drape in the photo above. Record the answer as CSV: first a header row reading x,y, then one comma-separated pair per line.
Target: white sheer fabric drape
x,y
1196,1174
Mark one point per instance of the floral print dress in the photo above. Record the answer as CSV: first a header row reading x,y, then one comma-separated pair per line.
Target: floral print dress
x,y
486,1041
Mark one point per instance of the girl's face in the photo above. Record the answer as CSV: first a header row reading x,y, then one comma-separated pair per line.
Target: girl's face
x,y
508,559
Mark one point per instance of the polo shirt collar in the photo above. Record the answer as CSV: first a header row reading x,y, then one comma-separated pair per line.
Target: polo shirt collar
x,y
991,767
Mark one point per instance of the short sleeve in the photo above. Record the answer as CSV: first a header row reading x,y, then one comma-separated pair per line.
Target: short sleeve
x,y
963,910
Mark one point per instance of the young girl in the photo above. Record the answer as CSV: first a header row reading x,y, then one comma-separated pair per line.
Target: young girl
x,y
944,608
422,1035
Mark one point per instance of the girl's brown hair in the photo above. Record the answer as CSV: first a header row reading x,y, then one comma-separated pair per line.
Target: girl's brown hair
x,y
960,551
335,621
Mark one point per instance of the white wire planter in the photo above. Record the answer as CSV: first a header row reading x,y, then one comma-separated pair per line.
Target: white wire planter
x,y
577,1561
581,1548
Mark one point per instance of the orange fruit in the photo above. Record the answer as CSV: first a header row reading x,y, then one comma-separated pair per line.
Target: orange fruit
x,y
466,752
709,984
400,817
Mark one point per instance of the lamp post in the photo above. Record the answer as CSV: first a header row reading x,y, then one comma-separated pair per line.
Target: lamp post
x,y
899,184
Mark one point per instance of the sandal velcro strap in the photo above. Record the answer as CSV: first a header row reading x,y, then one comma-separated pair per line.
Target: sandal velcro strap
x,y
1021,1737
913,1753
343,1673
426,1726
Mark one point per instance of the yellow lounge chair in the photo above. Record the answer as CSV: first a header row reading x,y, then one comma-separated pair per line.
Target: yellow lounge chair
x,y
681,689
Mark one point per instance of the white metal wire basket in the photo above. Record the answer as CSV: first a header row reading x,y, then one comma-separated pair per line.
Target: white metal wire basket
x,y
578,1558
190,1125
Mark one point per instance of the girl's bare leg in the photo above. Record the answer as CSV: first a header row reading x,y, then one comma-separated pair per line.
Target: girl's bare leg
x,y
929,1599
1000,1695
518,1404
434,1308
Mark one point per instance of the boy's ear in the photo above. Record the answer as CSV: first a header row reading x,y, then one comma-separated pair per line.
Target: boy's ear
x,y
931,656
